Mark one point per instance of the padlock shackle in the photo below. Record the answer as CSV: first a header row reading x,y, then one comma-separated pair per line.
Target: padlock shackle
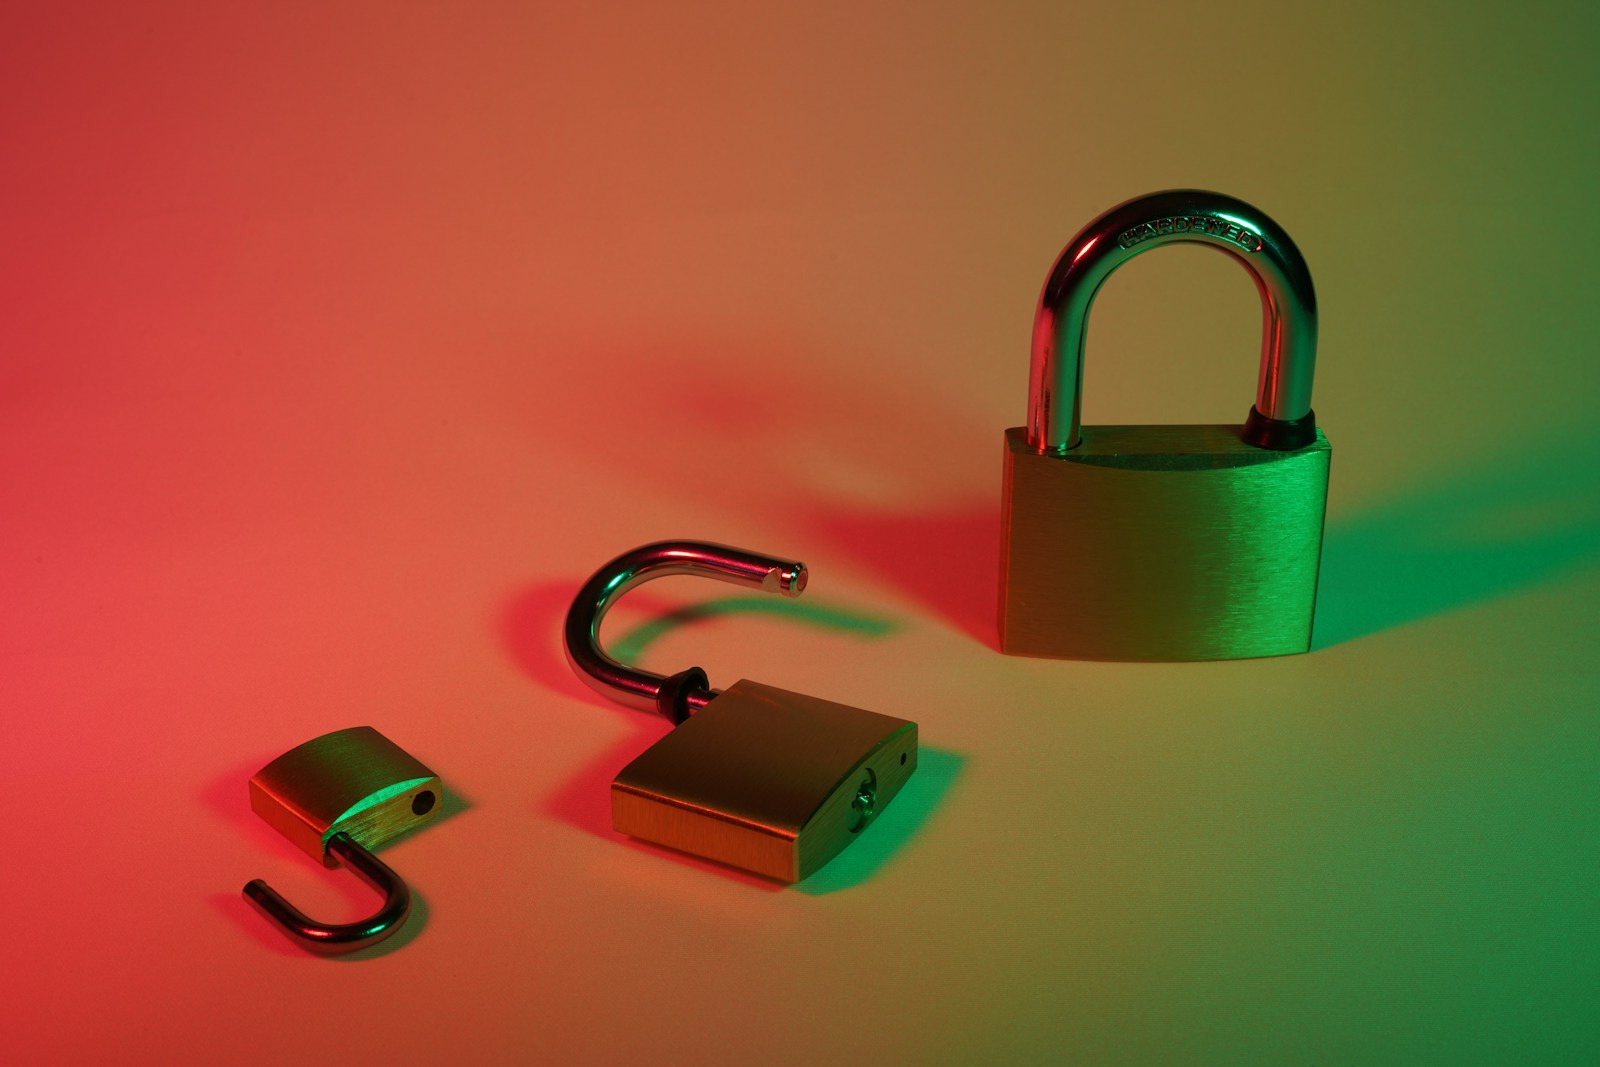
x,y
641,689
332,938
1281,417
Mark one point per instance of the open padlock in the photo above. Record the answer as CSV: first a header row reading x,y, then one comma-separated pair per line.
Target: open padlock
x,y
336,796
752,776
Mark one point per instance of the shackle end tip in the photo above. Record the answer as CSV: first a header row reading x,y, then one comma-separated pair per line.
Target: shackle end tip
x,y
789,580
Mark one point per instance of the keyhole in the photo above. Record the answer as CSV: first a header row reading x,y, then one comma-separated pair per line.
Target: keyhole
x,y
865,804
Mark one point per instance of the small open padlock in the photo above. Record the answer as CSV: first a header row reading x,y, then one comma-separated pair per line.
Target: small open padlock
x,y
337,796
752,776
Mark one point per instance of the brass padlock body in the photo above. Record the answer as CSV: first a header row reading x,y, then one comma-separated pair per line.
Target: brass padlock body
x,y
765,780
1160,543
354,780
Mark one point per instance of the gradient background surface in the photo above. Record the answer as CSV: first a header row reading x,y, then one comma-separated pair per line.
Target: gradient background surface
x,y
341,343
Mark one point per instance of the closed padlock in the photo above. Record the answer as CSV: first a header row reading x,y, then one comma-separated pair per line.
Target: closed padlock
x,y
1166,542
338,796
752,776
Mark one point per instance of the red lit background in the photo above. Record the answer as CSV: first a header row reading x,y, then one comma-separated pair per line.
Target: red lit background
x,y
341,342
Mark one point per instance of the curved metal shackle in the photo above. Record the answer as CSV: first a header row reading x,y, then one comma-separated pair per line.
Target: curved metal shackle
x,y
332,938
1288,304
640,688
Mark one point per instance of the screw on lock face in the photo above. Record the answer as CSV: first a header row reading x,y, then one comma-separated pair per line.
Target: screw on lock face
x,y
865,805
751,776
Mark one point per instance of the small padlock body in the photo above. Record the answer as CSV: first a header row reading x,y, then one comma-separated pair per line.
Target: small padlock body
x,y
765,780
1160,543
354,780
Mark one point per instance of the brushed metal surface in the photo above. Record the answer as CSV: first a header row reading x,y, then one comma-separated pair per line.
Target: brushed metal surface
x,y
764,779
355,780
1160,543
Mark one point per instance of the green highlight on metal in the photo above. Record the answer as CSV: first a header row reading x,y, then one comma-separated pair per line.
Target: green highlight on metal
x,y
865,804
894,827
1243,224
388,792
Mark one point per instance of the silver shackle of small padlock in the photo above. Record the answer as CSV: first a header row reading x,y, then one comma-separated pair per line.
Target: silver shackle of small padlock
x,y
1281,418
643,689
331,938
